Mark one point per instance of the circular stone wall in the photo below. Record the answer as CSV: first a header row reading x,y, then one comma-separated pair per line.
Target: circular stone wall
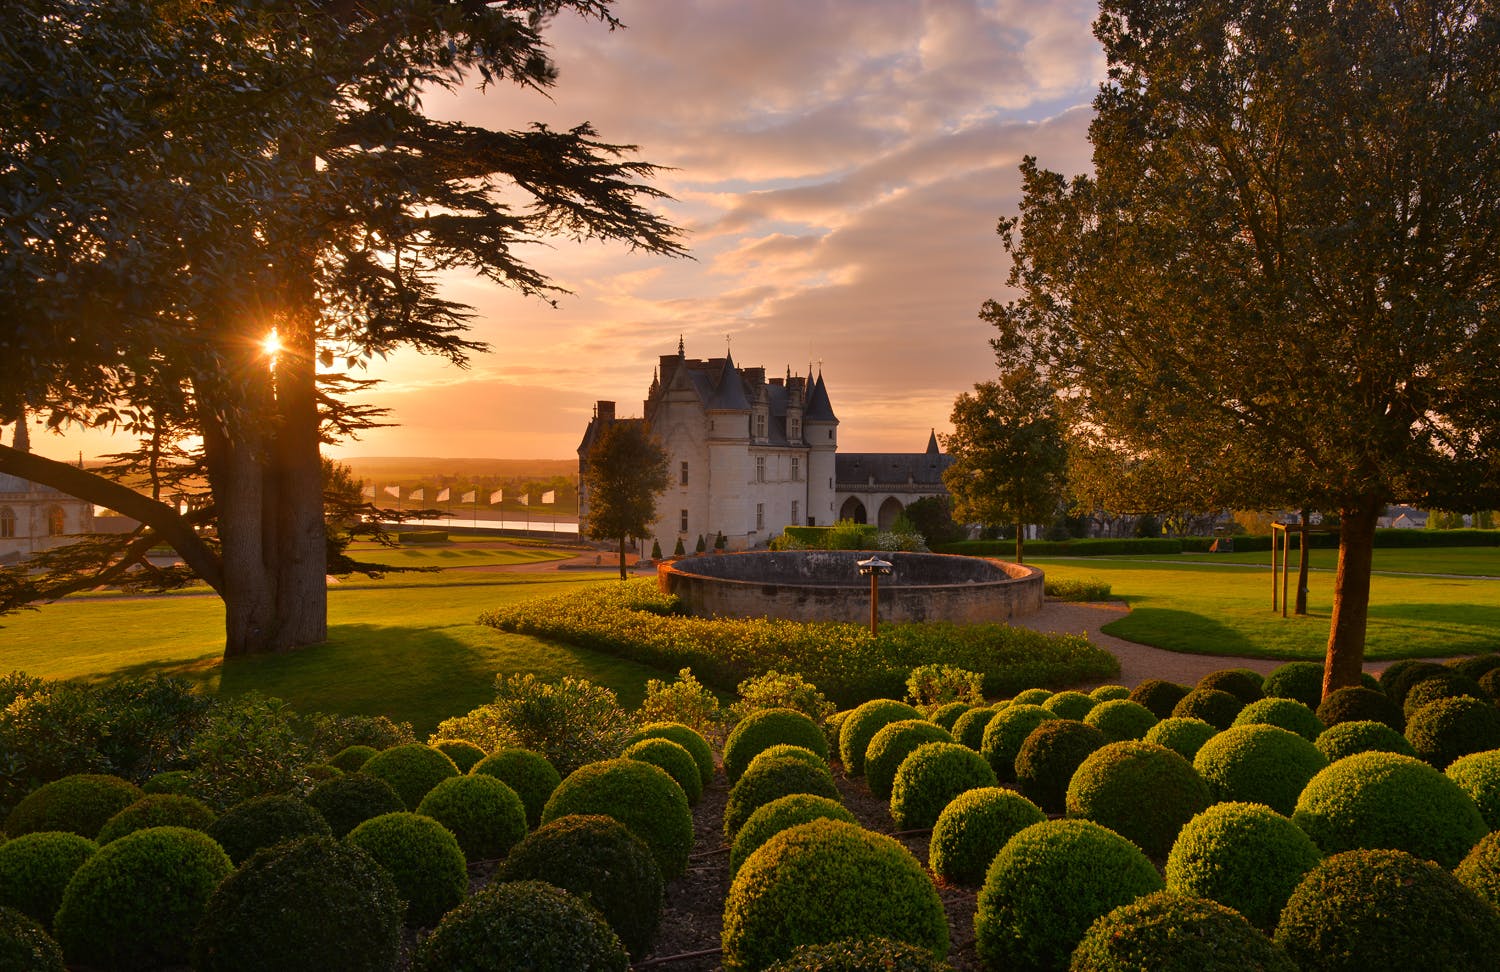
x,y
825,585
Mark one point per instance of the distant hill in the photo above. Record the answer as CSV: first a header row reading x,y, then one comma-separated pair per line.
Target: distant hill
x,y
385,468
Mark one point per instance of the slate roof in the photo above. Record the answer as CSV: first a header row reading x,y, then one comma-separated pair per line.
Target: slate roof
x,y
890,468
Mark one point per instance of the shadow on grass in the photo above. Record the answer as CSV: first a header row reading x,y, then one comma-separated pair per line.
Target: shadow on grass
x,y
1459,615
1182,631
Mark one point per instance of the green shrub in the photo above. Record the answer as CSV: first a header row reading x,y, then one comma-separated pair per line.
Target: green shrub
x,y
832,728
947,715
891,745
797,752
782,813
483,814
641,796
1171,932
1031,696
861,725
1140,790
1216,707
170,781
768,727
1121,719
1109,693
351,759
347,801
1048,884
136,903
157,810
1069,704
770,779
35,868
25,945
825,881
321,771
1181,735
686,737
1448,728
522,925
778,690
1159,695
423,859
861,955
1005,734
969,728
1385,909
1288,714
252,745
1476,666
463,753
972,828
1299,680
528,773
1243,855
411,770
1480,869
1258,764
260,822
929,779
1396,675
570,721
1383,800
1242,683
1091,589
603,863
687,702
1478,775
1050,755
1490,682
1448,685
931,685
336,733
1361,736
305,905
79,804
677,761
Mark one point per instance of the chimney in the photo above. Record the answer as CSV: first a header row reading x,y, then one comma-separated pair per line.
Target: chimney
x,y
605,411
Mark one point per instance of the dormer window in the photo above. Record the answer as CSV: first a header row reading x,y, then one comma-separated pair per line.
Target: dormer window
x,y
795,429
760,425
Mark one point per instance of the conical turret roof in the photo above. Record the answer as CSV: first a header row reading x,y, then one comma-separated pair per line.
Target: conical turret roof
x,y
729,393
818,408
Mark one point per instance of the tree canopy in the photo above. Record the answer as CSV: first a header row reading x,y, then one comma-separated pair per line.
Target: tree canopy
x,y
1283,268
625,470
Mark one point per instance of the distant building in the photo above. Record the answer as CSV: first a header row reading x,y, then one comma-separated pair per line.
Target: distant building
x,y
34,517
750,455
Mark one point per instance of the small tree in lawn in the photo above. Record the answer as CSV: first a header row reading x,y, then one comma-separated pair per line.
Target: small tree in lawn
x,y
626,471
1009,453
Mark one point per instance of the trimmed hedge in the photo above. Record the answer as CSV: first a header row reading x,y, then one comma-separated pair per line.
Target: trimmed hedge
x,y
780,814
1288,714
263,821
1243,855
35,868
522,925
641,796
484,815
861,955
969,728
1216,707
1478,775
157,810
1258,764
1242,683
1356,703
411,769
931,777
1447,685
1444,730
25,945
891,745
80,804
673,758
1159,695
1169,932
771,779
1005,734
1050,755
947,715
1121,719
1181,735
768,727
1140,790
1091,547
347,801
423,859
971,830
1480,869
861,725
1361,736
351,758
529,774
463,753
685,736
1108,693
1069,704
1299,680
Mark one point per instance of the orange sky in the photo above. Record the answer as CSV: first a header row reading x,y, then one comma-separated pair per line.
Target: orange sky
x,y
838,166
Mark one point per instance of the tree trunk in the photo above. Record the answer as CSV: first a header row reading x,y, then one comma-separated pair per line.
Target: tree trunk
x,y
1019,535
1302,536
622,558
236,472
1351,595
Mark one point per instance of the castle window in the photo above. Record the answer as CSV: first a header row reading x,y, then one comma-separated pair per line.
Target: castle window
x,y
830,434
55,522
760,516
795,432
796,472
682,523
7,522
684,474
760,469
794,512
760,425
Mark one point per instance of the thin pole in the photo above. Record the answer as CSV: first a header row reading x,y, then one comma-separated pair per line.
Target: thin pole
x,y
1286,566
874,603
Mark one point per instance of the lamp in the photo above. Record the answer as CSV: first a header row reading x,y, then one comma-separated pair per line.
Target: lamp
x,y
874,568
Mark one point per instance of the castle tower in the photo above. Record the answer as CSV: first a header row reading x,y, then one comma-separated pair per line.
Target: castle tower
x,y
729,470
820,429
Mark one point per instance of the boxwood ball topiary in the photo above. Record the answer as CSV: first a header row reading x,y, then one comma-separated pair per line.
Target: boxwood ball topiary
x,y
1242,683
1478,775
351,759
1172,932
1048,884
347,801
764,728
832,726
1069,704
780,814
1476,666
1396,674
484,815
423,859
929,779
80,804
1258,764
1448,685
157,810
599,860
1359,704
1361,736
1050,755
825,881
1299,680
528,773
969,728
971,830
796,752
1288,714
1402,683
1216,707
891,745
1490,682
1385,909
523,926
862,724
1121,719
136,903
1181,735
769,779
262,821
1480,869
1448,728
25,945
861,955
1005,734
947,715
688,738
1031,696
1384,800
1108,693
411,769
463,753
641,796
1243,855
1159,695
170,781
35,868
1140,790
673,758
305,905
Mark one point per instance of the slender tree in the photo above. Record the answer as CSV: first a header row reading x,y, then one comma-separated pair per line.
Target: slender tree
x,y
1285,259
625,471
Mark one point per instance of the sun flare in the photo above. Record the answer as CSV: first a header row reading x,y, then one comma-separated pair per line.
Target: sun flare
x,y
271,343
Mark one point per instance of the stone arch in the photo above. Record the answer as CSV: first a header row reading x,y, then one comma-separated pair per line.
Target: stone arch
x,y
889,510
57,523
854,510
